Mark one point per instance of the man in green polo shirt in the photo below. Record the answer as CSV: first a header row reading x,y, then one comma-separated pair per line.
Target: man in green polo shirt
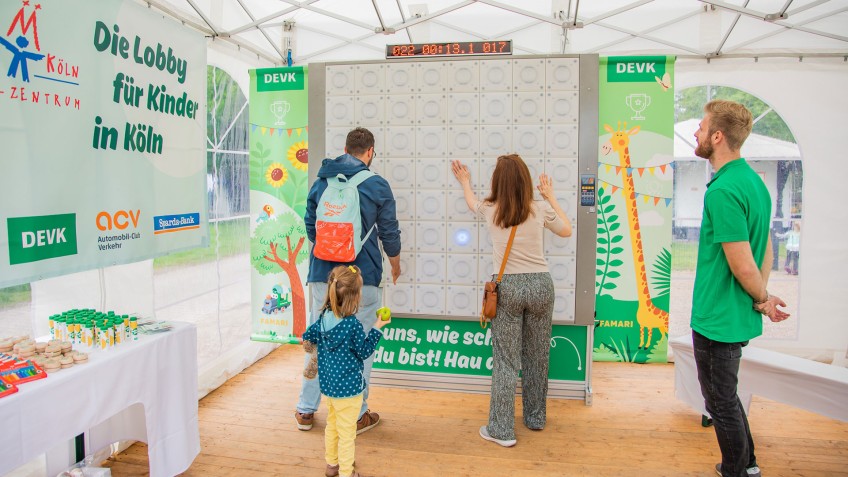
x,y
734,258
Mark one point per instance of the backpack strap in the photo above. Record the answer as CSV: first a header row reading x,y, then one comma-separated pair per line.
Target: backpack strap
x,y
355,180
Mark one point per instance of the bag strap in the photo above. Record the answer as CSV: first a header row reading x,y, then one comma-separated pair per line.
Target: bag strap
x,y
506,254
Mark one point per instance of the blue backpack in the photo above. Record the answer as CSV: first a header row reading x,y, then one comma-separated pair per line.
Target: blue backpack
x,y
338,224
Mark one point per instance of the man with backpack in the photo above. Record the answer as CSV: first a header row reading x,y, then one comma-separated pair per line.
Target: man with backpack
x,y
348,209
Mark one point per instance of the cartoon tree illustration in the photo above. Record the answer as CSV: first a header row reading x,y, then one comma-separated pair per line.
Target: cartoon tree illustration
x,y
607,224
279,244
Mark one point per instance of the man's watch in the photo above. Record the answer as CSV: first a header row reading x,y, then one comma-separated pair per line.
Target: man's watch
x,y
757,303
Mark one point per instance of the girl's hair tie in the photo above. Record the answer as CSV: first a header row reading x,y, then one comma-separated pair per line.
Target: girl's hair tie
x,y
351,268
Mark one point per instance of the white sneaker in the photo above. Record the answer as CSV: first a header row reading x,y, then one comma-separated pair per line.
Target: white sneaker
x,y
484,433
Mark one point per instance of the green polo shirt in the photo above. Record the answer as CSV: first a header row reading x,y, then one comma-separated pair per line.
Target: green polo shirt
x,y
737,208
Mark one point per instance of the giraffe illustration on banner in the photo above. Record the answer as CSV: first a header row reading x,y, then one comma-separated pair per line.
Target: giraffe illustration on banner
x,y
648,315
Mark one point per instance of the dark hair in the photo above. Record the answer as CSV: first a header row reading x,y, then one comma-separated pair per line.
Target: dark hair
x,y
512,191
359,141
344,287
732,119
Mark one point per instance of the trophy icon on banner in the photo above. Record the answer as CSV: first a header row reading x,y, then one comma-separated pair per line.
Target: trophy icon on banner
x,y
280,109
638,102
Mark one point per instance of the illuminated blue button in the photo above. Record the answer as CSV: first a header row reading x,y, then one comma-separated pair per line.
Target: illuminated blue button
x,y
461,237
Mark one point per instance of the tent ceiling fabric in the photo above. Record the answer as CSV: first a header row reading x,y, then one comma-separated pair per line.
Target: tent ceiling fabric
x,y
339,30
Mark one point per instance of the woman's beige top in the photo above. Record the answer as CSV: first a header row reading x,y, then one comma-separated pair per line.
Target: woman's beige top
x,y
527,253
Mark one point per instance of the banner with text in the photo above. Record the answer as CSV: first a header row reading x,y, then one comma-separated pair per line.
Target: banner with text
x,y
635,186
102,122
462,347
279,250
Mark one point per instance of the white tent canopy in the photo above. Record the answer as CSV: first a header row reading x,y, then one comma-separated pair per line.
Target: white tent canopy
x,y
337,30
757,147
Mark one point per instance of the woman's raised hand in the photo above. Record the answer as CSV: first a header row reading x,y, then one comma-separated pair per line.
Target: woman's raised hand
x,y
460,171
546,187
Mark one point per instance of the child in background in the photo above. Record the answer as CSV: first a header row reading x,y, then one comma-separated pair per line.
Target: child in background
x,y
342,346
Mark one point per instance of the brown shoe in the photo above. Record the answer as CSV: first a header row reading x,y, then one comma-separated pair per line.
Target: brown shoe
x,y
332,470
367,421
304,421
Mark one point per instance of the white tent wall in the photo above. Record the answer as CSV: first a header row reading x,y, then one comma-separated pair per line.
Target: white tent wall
x,y
810,96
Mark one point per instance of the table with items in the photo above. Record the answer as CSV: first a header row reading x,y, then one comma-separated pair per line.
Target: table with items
x,y
103,379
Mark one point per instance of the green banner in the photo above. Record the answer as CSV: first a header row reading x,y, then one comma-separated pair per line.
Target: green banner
x,y
103,133
279,250
462,347
635,187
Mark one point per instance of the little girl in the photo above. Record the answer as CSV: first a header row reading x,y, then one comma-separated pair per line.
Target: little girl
x,y
342,347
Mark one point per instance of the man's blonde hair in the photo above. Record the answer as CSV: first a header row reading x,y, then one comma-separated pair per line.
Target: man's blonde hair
x,y
344,287
732,119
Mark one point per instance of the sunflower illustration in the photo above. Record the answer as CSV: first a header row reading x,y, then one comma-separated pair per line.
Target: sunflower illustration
x,y
276,175
299,155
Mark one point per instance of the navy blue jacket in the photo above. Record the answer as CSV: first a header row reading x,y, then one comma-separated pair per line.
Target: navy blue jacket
x,y
376,205
342,348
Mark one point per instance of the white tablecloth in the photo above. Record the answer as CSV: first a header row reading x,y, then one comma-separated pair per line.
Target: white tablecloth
x,y
802,383
146,391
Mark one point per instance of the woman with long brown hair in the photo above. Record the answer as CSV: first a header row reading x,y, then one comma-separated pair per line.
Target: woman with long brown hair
x,y
521,329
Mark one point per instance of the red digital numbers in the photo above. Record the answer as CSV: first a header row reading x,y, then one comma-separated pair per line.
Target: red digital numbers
x,y
449,49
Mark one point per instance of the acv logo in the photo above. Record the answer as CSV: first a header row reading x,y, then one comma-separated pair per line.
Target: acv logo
x,y
119,220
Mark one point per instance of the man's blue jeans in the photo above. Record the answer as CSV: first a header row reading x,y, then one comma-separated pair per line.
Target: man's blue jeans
x,y
310,389
718,373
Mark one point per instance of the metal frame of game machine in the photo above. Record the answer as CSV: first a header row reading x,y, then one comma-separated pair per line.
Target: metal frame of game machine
x,y
582,196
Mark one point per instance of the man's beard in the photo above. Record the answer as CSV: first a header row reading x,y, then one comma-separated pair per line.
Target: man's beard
x,y
704,150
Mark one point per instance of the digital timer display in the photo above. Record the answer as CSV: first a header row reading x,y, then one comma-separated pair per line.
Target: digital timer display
x,y
455,48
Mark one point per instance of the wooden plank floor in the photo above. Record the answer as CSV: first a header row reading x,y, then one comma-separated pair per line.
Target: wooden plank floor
x,y
635,427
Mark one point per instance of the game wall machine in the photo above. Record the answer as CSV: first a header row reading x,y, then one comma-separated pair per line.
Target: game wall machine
x,y
424,112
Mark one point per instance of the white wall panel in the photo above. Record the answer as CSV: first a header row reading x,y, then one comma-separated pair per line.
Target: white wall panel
x,y
430,236
463,76
563,304
561,140
400,110
404,202
430,204
335,140
431,141
563,172
430,268
528,107
400,141
370,110
563,74
495,140
463,140
556,245
340,111
464,108
430,299
496,75
457,207
401,78
432,173
529,141
496,108
400,298
462,238
563,271
432,77
462,269
529,75
340,81
370,78
423,115
432,109
462,300
562,106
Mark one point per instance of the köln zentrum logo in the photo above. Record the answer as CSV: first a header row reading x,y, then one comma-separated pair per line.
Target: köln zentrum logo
x,y
28,62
